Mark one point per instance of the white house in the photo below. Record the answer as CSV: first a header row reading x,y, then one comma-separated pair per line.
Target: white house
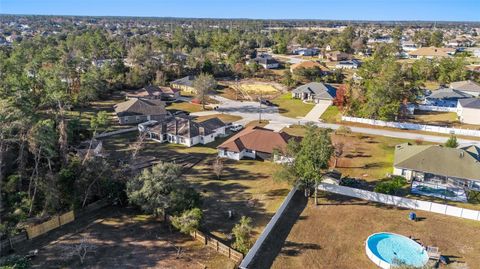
x,y
256,143
468,110
185,131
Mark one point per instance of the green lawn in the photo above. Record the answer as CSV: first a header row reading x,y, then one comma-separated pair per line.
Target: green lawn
x,y
290,107
332,115
364,156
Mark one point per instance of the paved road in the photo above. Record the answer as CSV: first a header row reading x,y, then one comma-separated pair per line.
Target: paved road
x,y
249,111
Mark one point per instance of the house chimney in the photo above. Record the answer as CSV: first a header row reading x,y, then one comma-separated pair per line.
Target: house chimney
x,y
462,154
201,130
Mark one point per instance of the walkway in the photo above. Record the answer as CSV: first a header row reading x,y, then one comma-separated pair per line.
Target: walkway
x,y
318,110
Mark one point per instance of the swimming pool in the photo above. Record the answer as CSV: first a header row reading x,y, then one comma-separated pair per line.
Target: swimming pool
x,y
387,249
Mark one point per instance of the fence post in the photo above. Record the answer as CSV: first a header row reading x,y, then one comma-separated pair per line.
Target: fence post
x,y
217,245
229,252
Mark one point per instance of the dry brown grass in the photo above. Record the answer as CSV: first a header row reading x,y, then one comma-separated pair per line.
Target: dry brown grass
x,y
246,187
124,239
332,235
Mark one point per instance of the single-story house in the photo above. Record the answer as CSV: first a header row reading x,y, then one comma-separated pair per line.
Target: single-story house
x,y
185,131
184,84
305,51
309,65
466,86
265,62
468,110
337,56
409,46
256,142
446,97
137,110
154,92
431,52
439,171
314,92
353,64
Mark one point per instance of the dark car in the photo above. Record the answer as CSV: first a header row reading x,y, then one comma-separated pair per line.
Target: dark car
x,y
266,102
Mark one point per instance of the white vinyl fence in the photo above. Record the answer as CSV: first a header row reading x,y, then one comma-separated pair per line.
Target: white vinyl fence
x,y
436,108
402,202
414,126
265,233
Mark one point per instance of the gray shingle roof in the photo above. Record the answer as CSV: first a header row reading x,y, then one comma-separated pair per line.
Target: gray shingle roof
x,y
470,102
438,160
186,81
319,90
466,85
186,127
136,106
447,93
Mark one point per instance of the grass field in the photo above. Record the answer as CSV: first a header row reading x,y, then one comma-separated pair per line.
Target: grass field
x,y
291,107
435,118
332,234
332,115
258,88
186,106
364,156
246,186
124,239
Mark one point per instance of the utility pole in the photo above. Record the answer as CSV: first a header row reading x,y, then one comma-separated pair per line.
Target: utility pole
x,y
260,109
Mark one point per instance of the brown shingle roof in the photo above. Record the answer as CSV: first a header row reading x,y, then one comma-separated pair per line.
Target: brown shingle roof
x,y
152,91
258,139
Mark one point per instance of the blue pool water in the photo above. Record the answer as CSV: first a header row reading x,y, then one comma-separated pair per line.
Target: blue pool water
x,y
393,247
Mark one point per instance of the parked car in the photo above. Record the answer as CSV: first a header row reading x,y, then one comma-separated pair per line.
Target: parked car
x,y
236,127
266,102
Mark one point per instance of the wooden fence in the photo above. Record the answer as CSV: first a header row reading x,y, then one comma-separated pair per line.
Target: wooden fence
x,y
54,222
10,243
218,246
213,243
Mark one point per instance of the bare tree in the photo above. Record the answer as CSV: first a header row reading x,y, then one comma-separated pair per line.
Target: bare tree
x,y
217,167
338,152
80,249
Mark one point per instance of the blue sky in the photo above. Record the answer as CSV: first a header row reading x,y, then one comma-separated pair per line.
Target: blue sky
x,y
437,10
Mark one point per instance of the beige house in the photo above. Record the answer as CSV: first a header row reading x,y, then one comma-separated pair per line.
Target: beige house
x,y
431,53
468,110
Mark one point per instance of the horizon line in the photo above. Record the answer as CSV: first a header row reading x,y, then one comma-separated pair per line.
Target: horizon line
x,y
232,18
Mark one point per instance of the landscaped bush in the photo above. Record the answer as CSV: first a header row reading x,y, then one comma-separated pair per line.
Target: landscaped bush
x,y
391,185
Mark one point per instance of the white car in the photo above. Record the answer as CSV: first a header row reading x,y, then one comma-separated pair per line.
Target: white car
x,y
236,127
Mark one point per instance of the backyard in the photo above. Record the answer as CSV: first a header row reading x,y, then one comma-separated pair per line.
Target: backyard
x,y
332,234
366,157
290,107
122,238
246,187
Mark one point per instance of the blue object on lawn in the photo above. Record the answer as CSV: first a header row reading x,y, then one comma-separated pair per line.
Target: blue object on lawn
x,y
412,216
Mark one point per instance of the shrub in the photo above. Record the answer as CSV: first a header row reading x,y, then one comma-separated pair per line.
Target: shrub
x,y
243,233
188,221
391,185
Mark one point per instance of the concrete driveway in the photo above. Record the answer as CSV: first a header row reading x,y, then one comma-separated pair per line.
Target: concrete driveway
x,y
318,110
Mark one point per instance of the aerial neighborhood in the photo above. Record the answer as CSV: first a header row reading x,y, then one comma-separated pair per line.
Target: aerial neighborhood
x,y
165,142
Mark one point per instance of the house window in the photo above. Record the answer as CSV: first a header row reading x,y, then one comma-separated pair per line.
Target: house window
x,y
248,151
